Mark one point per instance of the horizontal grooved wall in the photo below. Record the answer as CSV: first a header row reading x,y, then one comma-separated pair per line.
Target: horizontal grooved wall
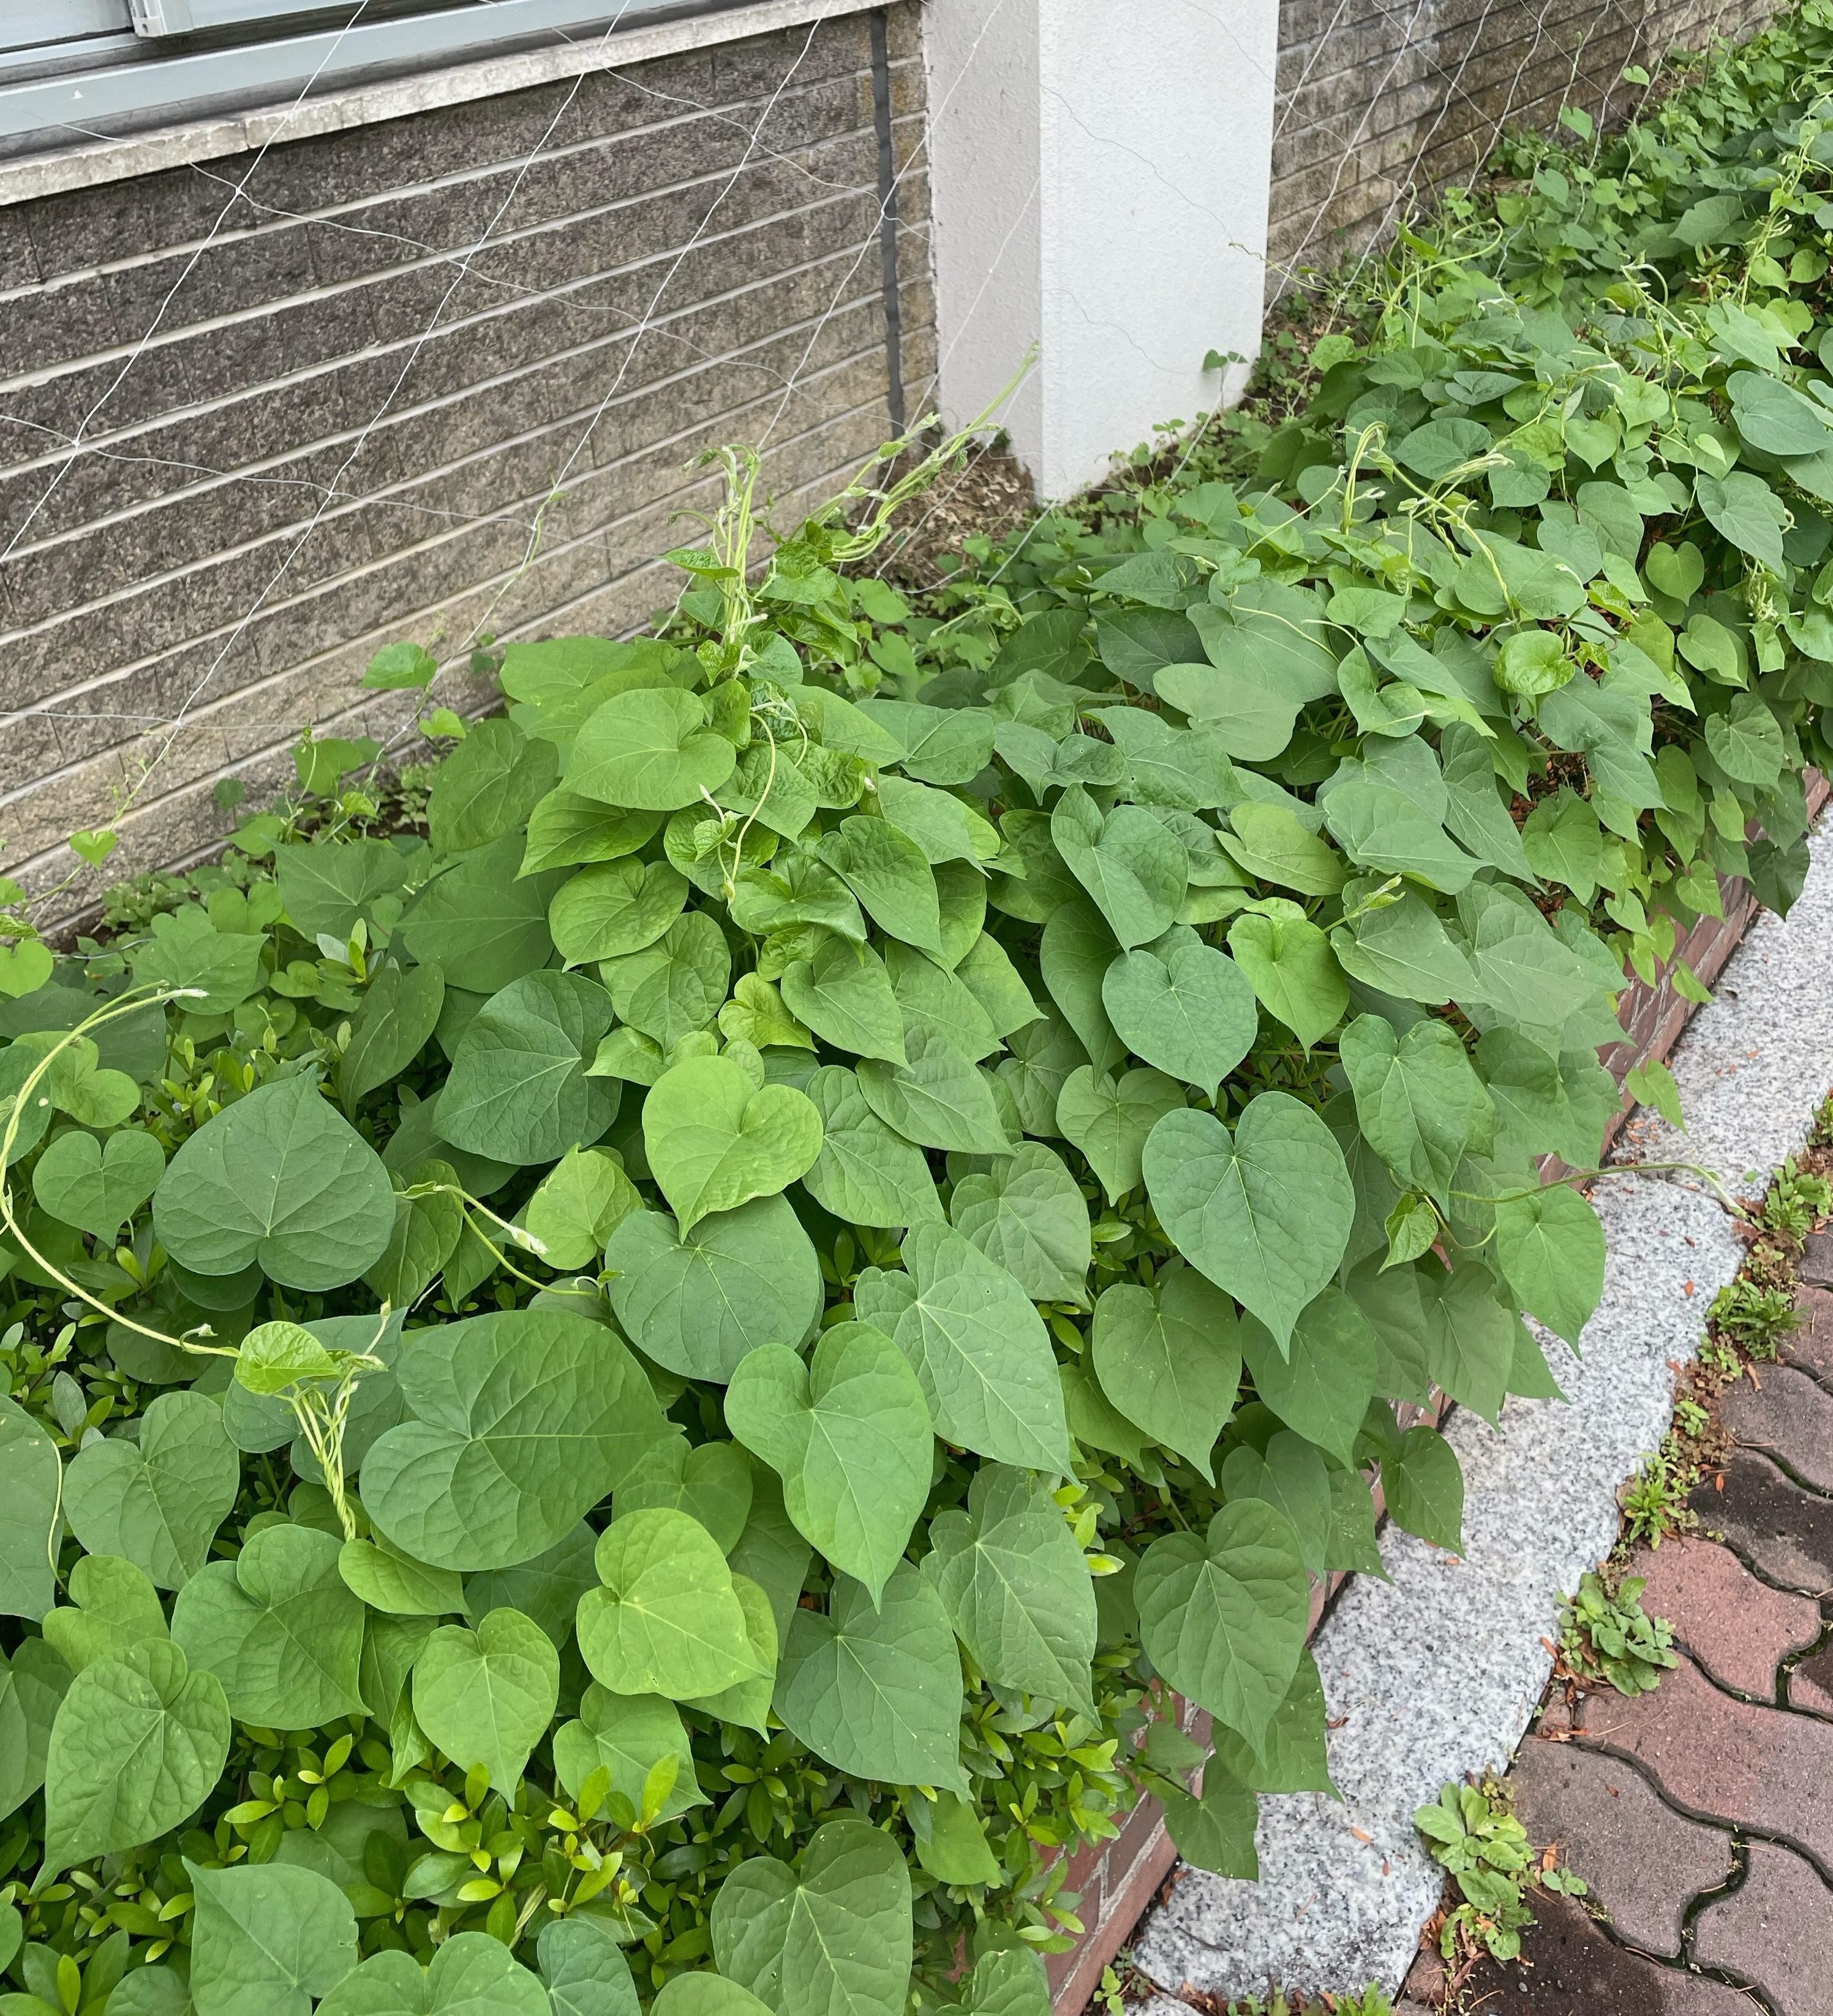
x,y
313,418
1382,100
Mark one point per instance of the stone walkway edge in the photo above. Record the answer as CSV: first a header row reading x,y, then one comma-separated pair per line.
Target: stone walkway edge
x,y
1436,1673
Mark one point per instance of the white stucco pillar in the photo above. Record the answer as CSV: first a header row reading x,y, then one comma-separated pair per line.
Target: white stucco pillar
x,y
1099,171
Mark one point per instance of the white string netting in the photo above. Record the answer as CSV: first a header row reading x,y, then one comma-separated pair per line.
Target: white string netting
x,y
256,717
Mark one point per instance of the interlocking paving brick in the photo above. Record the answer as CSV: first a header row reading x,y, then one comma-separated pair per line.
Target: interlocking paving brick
x,y
1811,1345
1568,1967
1733,1761
1776,1932
1784,1533
1810,1686
1643,1863
1738,1629
1816,1258
1789,1416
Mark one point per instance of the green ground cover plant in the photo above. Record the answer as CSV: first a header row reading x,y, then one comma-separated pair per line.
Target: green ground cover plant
x,y
622,1385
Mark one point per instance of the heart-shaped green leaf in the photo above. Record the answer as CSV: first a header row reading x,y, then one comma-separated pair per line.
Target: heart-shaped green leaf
x,y
1289,962
113,1606
518,1092
266,1938
278,1628
24,967
1182,1006
158,1504
486,1697
712,1482
877,1691
519,1422
1168,1358
584,1971
980,1348
666,1620
1265,1213
648,751
31,1494
1016,1586
1551,1248
628,1735
849,1434
389,1581
1028,1214
697,1303
1222,1615
842,991
614,908
833,1932
1321,1383
866,1173
1132,865
1111,1120
279,1180
470,1972
138,1745
1418,1103
715,1139
938,1098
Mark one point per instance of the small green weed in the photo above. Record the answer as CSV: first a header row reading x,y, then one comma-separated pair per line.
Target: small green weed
x,y
1753,1318
1476,1838
1373,2001
1654,1500
1797,1200
1612,1636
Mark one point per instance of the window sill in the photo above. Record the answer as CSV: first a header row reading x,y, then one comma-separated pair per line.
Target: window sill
x,y
86,163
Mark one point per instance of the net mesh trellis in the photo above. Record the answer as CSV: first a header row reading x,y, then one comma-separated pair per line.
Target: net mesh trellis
x,y
255,716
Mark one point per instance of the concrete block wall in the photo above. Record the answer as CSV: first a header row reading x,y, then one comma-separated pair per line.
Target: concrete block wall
x,y
314,419
1381,101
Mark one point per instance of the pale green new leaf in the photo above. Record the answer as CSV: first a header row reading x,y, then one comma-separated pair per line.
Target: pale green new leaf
x,y
1289,964
715,1139
667,1620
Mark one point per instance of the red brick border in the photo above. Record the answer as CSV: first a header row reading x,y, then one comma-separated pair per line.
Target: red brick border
x,y
1117,1879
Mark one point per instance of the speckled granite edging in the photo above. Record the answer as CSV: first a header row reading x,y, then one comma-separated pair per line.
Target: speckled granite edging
x,y
1436,1671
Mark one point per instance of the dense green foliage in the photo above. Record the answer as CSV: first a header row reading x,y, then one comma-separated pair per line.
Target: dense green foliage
x,y
641,1374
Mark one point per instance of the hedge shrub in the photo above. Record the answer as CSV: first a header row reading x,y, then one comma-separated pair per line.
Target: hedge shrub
x,y
632,1363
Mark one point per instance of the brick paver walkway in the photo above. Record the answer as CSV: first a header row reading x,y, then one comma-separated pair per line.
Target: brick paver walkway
x,y
1701,1815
